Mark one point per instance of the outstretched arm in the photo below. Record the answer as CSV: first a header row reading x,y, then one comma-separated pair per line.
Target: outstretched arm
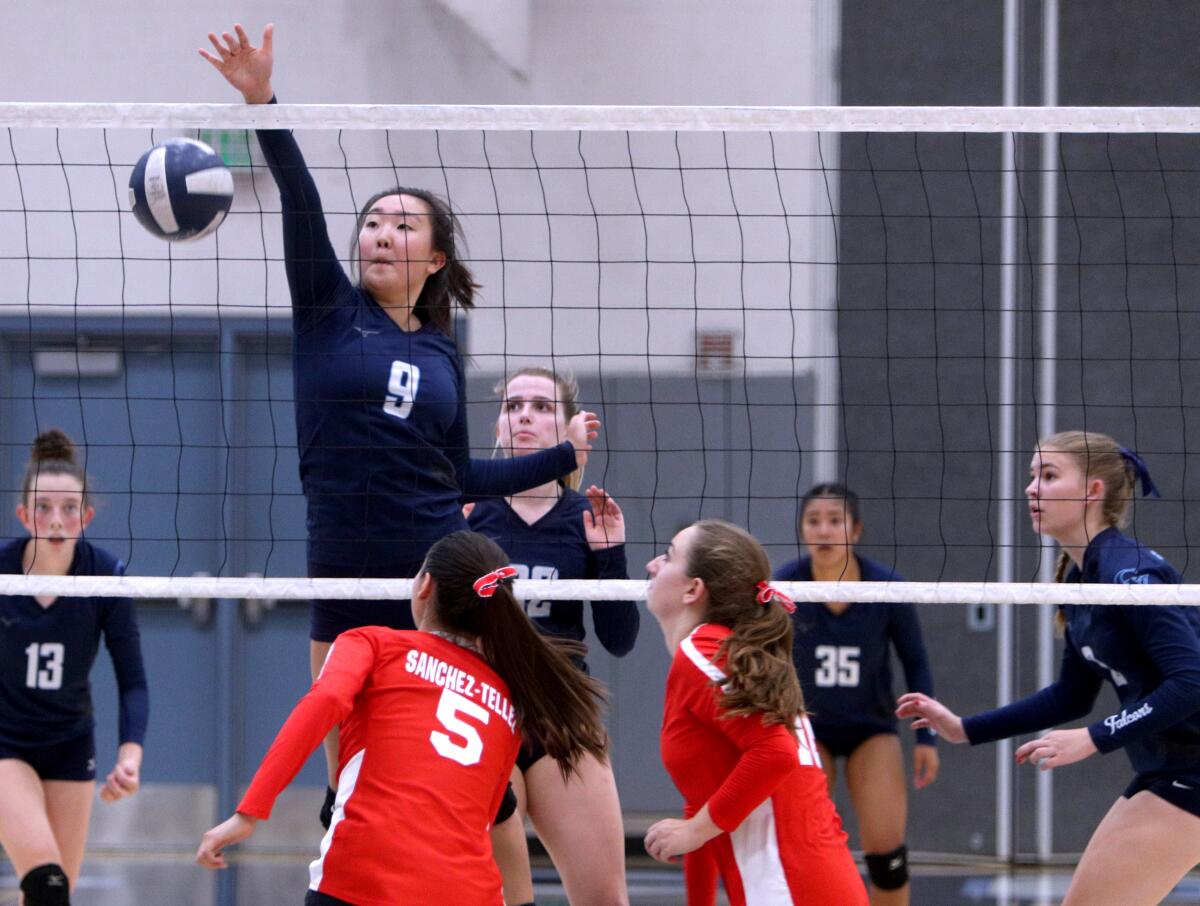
x,y
929,713
315,277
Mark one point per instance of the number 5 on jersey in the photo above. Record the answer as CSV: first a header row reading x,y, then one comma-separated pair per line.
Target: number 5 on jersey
x,y
402,389
450,711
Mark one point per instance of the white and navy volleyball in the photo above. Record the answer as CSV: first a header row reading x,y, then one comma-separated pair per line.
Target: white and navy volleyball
x,y
181,190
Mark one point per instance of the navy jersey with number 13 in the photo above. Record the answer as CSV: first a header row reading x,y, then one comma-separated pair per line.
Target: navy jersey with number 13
x,y
46,656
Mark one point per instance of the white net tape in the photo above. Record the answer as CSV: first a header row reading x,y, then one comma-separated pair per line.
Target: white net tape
x,y
596,118
234,588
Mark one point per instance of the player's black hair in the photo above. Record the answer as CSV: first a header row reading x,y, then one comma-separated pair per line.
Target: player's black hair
x,y
835,490
453,283
557,704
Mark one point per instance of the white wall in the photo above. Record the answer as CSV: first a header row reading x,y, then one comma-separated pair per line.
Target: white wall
x,y
710,269
415,51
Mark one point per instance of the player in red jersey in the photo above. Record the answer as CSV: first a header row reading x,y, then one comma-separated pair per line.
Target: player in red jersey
x,y
734,737
430,724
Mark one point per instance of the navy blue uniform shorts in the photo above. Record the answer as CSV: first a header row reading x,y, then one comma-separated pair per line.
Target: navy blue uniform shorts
x,y
841,743
316,898
71,760
329,618
1182,790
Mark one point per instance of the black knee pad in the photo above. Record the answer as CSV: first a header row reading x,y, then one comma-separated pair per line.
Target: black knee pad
x,y
888,871
508,805
46,885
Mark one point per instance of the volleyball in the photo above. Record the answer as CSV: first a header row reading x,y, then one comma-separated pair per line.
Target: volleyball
x,y
180,190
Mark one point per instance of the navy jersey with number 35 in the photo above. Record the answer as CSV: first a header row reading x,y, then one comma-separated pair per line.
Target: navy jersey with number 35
x,y
844,659
46,656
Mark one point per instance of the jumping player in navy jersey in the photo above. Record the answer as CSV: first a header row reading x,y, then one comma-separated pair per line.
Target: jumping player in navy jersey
x,y
47,648
379,382
842,652
1080,492
555,532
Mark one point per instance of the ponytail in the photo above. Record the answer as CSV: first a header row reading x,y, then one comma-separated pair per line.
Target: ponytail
x,y
760,675
557,705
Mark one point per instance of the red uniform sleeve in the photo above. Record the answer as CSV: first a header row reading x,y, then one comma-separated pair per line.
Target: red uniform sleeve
x,y
768,753
331,698
700,872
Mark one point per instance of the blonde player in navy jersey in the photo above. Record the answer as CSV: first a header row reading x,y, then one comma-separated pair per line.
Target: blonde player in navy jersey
x,y
47,648
380,394
1079,494
556,532
842,652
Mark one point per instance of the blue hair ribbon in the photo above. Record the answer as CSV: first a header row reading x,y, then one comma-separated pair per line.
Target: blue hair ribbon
x,y
1139,466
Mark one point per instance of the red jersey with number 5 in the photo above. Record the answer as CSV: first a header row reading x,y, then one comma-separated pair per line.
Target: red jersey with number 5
x,y
763,784
427,741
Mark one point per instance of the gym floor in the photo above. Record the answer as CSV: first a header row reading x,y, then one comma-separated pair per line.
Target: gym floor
x,y
173,880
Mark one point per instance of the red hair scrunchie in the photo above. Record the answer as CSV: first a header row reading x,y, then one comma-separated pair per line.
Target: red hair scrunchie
x,y
485,586
767,594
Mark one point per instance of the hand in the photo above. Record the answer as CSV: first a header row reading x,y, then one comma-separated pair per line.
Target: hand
x,y
671,838
246,67
925,765
603,524
125,777
1057,748
227,833
929,712
583,428
467,510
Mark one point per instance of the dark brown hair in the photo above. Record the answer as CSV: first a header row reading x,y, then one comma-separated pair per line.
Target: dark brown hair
x,y
567,396
557,704
52,453
453,282
760,676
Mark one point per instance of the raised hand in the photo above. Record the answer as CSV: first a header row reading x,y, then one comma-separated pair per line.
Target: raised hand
x,y
929,712
583,428
246,67
603,524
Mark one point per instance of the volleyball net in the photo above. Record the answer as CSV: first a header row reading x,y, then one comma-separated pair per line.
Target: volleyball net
x,y
754,299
